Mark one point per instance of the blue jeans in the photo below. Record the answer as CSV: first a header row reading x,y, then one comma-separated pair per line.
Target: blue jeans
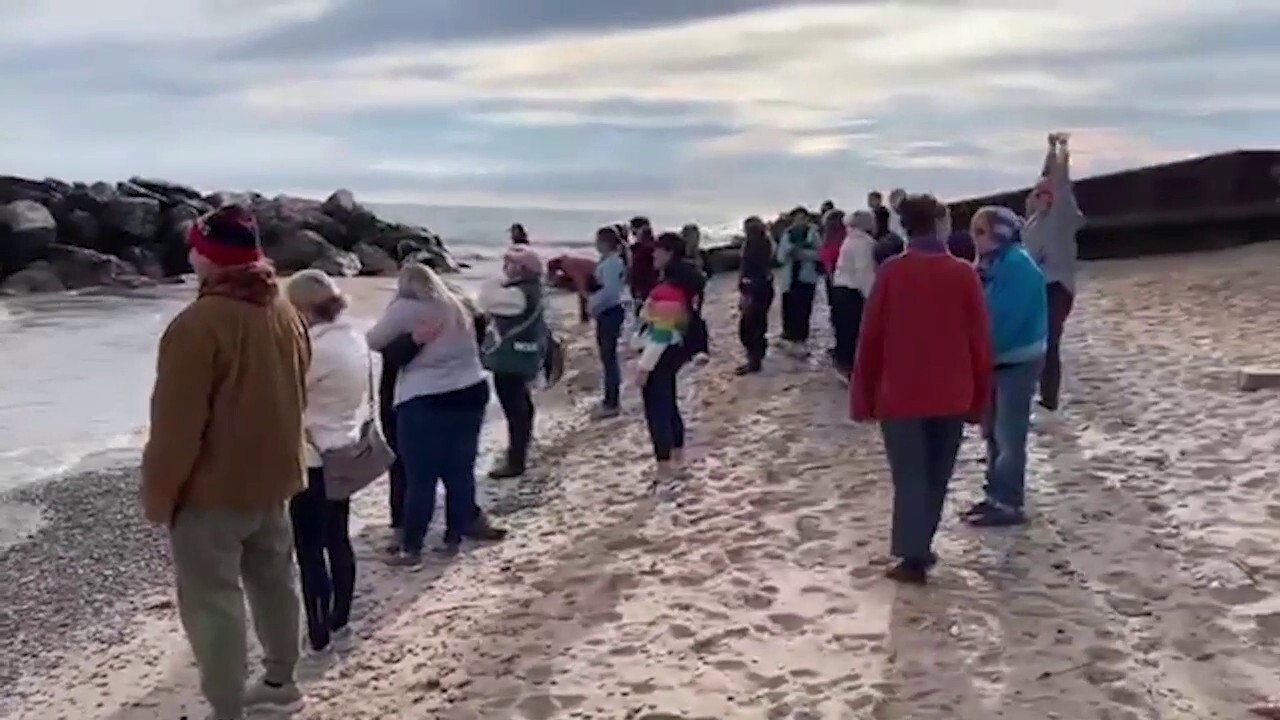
x,y
438,444
608,331
1005,430
922,457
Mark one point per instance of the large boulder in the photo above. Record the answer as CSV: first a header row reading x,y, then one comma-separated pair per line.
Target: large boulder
x,y
284,215
45,192
80,228
374,260
133,220
403,241
304,249
38,277
359,221
339,263
81,268
145,260
171,241
27,229
171,191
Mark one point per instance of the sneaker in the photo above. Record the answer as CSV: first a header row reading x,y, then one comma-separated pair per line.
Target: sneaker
x,y
604,412
448,548
908,573
747,369
285,698
979,508
700,360
484,531
405,558
996,517
341,639
506,471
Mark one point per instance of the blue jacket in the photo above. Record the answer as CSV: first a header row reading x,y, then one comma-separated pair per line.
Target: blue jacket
x,y
1017,304
798,254
611,278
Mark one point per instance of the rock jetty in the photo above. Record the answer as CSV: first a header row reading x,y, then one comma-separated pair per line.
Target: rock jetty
x,y
63,236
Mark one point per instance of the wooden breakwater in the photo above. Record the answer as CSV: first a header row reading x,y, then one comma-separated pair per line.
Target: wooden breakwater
x,y
1210,202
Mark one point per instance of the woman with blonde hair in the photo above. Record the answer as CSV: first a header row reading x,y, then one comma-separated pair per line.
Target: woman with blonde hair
x,y
338,404
440,400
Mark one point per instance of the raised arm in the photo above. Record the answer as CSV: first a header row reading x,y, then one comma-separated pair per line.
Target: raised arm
x,y
1058,170
398,319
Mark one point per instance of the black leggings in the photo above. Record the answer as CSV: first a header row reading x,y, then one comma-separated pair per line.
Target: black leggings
x,y
662,404
517,405
846,314
753,324
326,562
797,311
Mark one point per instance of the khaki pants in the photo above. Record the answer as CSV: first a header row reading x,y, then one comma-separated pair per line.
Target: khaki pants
x,y
212,551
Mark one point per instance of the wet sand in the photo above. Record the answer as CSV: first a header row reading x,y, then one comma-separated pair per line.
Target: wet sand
x,y
1144,587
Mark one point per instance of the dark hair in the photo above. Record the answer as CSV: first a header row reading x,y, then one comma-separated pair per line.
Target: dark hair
x,y
672,243
827,206
797,211
609,235
639,221
875,194
518,235
919,214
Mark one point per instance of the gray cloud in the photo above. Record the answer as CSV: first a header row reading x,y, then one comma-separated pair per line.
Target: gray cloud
x,y
359,25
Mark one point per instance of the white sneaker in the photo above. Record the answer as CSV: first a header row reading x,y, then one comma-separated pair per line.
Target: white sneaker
x,y
340,640
279,698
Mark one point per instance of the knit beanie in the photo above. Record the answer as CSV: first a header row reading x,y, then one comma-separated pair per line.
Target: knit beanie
x,y
226,237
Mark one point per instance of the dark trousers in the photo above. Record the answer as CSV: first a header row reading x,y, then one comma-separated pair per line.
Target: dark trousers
x,y
608,332
846,319
438,444
395,474
830,287
1060,301
662,404
326,562
797,311
517,405
753,322
922,457
1005,429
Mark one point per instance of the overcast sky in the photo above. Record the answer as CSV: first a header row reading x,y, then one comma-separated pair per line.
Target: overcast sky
x,y
717,106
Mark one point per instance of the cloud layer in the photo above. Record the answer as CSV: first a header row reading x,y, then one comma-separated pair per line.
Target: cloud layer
x,y
714,107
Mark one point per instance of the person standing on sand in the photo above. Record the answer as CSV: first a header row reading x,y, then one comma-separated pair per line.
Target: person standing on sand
x,y
605,305
1050,236
338,404
668,314
1018,309
642,275
514,354
755,288
223,459
692,236
852,280
798,254
440,401
923,367
895,213
833,235
875,204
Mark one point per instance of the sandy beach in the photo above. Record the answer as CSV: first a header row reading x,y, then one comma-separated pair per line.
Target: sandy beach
x,y
1145,586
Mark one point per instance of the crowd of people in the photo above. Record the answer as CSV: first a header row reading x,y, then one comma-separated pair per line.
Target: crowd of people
x,y
266,416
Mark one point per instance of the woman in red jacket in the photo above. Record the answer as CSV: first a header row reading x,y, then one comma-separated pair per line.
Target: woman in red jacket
x,y
923,368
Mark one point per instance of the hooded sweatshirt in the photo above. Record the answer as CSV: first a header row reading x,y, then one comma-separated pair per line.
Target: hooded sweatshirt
x,y
226,427
669,311
1050,235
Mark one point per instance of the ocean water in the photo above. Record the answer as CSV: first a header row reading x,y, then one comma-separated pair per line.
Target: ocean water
x,y
76,369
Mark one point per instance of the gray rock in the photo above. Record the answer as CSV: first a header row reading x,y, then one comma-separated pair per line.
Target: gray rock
x,y
80,228
27,229
341,203
301,250
169,190
17,188
339,263
135,218
38,277
80,267
145,260
374,260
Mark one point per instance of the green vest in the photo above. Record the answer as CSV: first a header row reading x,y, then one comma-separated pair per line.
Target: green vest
x,y
517,343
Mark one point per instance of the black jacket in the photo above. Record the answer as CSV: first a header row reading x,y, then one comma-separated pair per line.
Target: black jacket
x,y
756,268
